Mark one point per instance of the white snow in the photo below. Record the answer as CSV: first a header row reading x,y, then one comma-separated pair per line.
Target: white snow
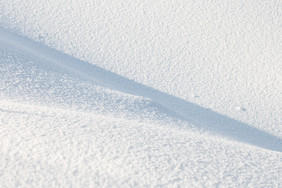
x,y
138,94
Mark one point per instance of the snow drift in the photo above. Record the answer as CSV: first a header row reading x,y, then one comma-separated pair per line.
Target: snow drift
x,y
140,93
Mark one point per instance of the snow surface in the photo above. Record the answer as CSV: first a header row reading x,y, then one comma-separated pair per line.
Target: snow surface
x,y
151,93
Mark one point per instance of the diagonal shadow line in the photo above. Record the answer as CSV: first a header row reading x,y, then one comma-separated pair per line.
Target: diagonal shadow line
x,y
184,110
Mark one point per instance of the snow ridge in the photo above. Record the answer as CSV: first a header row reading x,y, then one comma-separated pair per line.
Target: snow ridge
x,y
177,93
180,109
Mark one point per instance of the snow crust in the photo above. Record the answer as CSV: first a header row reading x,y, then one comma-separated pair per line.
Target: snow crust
x,y
151,93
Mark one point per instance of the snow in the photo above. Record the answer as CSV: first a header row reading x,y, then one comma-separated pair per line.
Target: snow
x,y
45,146
151,93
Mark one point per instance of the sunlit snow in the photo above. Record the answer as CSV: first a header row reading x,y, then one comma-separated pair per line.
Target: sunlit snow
x,y
140,94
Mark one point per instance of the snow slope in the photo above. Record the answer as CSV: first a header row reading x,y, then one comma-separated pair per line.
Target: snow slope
x,y
226,53
144,93
43,146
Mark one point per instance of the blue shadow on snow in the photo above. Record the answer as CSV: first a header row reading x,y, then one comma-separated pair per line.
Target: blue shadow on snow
x,y
186,111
